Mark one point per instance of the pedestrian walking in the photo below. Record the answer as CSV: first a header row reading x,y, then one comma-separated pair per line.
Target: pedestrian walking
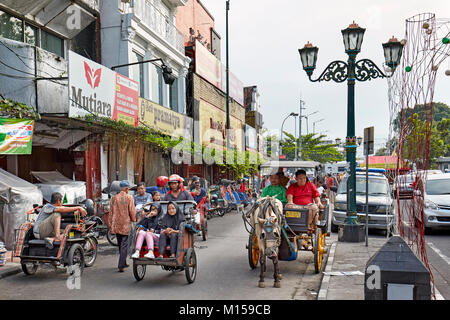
x,y
122,213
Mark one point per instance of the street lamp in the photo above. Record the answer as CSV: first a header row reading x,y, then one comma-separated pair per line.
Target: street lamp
x,y
340,71
314,125
292,114
307,120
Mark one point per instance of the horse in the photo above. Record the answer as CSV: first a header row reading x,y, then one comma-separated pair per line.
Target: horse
x,y
266,218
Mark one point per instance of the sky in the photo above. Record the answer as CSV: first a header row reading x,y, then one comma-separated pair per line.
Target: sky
x,y
264,38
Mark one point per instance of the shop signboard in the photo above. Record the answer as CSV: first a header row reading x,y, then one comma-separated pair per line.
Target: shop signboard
x,y
213,127
126,104
250,138
164,120
16,136
97,90
212,70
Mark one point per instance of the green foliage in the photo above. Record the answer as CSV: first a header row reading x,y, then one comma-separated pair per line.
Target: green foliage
x,y
313,148
440,111
14,109
415,148
130,133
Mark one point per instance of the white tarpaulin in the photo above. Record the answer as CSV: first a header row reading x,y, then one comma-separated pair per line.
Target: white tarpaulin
x,y
54,181
17,197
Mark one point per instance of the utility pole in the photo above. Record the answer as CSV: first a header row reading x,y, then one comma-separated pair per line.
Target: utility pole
x,y
297,156
228,78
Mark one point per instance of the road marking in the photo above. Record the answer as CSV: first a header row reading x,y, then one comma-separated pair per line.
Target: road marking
x,y
443,257
435,249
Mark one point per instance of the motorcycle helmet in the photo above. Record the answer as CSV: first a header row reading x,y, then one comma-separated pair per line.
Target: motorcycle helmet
x,y
161,181
176,178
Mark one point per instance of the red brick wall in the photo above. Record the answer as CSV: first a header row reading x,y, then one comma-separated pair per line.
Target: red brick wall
x,y
193,15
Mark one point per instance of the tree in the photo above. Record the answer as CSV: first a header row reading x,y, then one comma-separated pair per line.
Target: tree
x,y
314,148
415,148
439,112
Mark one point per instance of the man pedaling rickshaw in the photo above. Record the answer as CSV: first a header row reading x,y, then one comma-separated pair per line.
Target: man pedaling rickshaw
x,y
48,223
305,193
178,193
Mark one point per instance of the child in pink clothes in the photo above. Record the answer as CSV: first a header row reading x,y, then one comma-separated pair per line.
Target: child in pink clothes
x,y
149,231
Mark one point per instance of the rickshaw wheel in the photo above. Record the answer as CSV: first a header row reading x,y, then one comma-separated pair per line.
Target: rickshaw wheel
x,y
90,251
253,250
139,270
190,265
204,230
112,239
319,244
29,271
76,257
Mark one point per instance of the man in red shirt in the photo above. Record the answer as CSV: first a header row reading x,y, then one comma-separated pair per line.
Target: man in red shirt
x,y
304,193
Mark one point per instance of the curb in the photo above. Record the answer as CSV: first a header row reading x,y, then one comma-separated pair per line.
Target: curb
x,y
326,278
10,272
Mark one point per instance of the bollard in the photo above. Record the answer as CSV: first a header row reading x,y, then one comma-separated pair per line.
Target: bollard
x,y
395,273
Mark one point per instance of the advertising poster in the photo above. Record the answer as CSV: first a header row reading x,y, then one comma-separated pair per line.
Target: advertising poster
x,y
91,88
16,136
126,104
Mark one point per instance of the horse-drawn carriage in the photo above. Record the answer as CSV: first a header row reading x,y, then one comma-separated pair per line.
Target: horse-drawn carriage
x,y
185,257
279,232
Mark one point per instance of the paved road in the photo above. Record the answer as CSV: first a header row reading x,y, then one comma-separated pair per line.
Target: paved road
x,y
223,273
438,253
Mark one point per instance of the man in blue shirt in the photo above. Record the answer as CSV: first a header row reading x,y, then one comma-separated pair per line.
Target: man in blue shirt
x,y
161,187
200,192
141,198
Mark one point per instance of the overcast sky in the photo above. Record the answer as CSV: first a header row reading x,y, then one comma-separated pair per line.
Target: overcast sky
x,y
265,36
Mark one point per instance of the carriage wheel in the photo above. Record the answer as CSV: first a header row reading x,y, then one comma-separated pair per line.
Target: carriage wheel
x,y
112,239
253,250
90,251
139,270
75,259
319,245
29,268
190,265
204,229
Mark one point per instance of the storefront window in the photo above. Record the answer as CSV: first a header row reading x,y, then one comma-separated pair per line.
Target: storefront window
x,y
10,27
138,73
52,43
173,94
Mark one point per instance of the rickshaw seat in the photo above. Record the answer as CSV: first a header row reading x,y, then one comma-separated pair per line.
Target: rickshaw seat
x,y
42,242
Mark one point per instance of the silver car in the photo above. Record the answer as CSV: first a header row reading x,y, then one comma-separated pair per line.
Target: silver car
x,y
436,205
381,204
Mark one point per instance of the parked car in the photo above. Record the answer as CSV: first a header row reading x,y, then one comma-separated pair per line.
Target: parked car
x,y
380,202
402,187
436,202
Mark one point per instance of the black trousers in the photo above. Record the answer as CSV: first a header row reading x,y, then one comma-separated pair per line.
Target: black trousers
x,y
122,240
173,242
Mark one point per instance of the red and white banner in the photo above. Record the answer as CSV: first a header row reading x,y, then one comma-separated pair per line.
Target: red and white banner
x,y
212,70
95,89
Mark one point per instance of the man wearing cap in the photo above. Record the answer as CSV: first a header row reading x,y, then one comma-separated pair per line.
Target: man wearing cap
x,y
275,189
122,212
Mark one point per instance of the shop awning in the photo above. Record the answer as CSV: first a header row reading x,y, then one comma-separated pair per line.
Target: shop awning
x,y
56,14
56,138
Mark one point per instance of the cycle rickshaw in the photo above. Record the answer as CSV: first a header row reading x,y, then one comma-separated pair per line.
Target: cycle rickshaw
x,y
185,258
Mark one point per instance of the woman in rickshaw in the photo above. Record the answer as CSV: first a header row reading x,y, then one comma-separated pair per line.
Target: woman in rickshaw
x,y
170,225
149,229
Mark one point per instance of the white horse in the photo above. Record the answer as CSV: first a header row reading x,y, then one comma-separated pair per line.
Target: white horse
x,y
265,219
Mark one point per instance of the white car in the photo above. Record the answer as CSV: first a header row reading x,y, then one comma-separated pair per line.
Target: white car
x,y
436,202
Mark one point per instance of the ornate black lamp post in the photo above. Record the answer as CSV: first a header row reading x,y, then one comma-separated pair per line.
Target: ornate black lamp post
x,y
352,70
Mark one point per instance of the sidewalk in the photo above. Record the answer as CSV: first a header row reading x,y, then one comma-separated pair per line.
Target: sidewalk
x,y
11,267
347,257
